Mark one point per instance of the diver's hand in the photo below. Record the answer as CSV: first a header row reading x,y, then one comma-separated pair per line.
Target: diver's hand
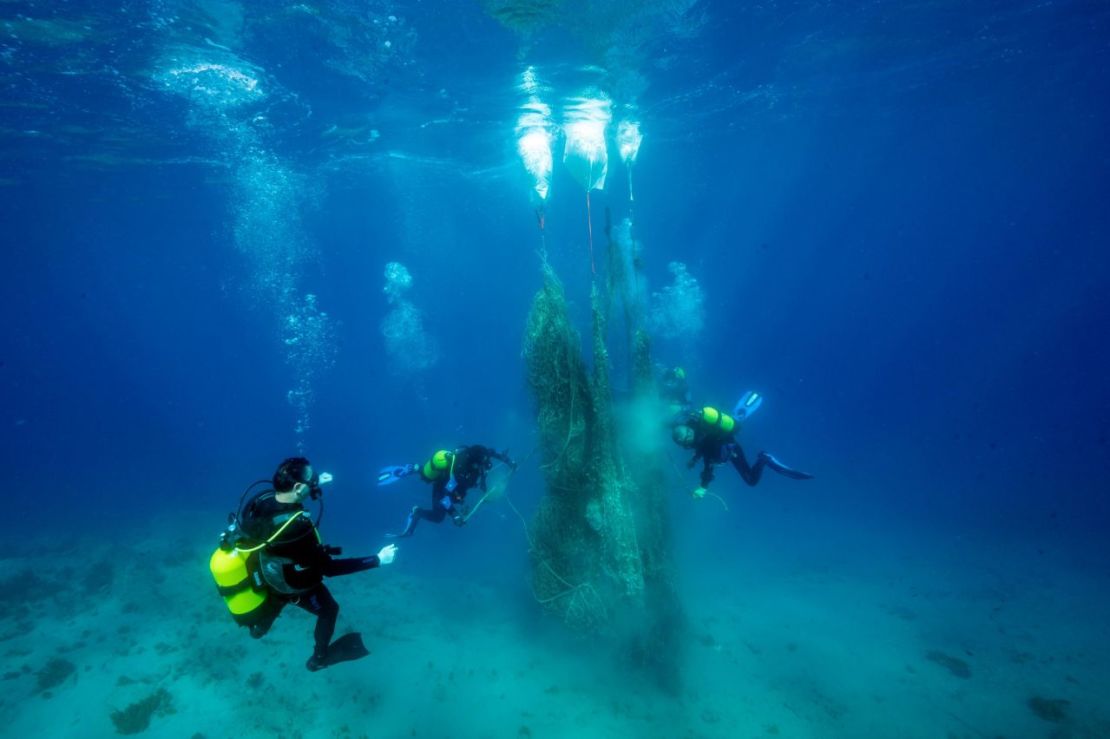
x,y
699,493
459,519
387,553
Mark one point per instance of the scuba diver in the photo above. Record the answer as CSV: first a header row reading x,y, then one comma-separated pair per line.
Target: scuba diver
x,y
452,475
675,392
710,434
271,555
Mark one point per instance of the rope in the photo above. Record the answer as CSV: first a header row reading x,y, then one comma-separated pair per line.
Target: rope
x,y
275,535
722,500
582,589
590,231
506,493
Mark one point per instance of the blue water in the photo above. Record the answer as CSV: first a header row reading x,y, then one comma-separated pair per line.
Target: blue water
x,y
895,215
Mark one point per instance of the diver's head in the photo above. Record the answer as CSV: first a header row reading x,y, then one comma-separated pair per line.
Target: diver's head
x,y
683,435
294,480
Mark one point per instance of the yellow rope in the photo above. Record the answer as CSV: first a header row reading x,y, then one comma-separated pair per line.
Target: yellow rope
x,y
276,534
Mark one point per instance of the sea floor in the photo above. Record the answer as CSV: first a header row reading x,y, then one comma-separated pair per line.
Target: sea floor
x,y
804,638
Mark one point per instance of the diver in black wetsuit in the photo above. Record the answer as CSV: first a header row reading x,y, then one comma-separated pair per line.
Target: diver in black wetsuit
x,y
452,475
710,434
294,562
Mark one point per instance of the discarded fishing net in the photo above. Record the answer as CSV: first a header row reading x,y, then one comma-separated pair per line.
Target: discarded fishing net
x,y
599,546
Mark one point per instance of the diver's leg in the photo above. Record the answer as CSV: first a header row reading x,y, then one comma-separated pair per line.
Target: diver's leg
x,y
749,473
438,512
320,603
410,524
782,469
435,515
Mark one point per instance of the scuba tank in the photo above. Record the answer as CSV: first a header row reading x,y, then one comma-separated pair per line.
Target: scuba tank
x,y
239,581
713,417
234,567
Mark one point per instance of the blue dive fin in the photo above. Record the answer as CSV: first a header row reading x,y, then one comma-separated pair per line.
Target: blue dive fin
x,y
390,475
747,405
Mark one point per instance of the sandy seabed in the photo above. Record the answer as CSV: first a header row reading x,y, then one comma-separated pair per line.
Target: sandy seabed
x,y
830,639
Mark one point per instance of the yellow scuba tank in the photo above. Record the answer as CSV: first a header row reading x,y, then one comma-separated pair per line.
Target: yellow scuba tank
x,y
438,464
714,417
236,570
240,585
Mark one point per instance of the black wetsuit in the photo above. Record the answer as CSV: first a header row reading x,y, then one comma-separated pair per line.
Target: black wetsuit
x,y
310,563
714,446
471,465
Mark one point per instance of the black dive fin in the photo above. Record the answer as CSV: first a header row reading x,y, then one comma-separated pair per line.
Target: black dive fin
x,y
785,471
345,649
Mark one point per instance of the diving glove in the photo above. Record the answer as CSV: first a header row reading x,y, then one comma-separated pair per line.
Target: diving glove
x,y
699,493
387,553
